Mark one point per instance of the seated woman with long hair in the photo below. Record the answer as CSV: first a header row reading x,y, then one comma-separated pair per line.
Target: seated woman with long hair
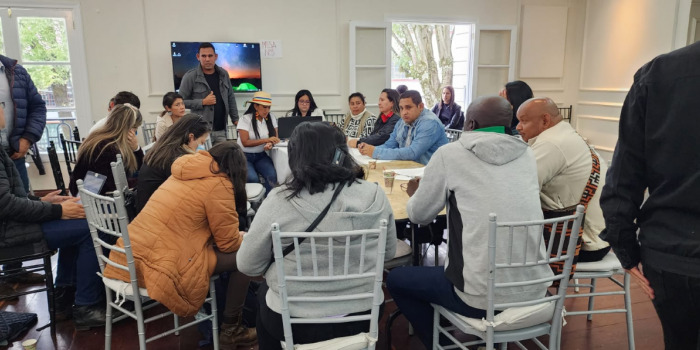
x,y
101,147
516,92
305,106
182,138
448,111
257,131
389,115
187,232
294,206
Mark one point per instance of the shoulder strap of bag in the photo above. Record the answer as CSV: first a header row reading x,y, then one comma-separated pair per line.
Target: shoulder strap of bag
x,y
593,180
318,220
312,227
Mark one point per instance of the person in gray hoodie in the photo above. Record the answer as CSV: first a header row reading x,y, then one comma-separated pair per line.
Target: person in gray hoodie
x,y
294,206
486,171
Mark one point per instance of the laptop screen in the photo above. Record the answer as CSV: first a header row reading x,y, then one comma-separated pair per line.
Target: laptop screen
x,y
285,126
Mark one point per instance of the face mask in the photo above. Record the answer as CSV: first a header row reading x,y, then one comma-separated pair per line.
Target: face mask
x,y
201,147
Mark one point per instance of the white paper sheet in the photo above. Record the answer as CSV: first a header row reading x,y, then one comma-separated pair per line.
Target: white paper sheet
x,y
408,174
363,160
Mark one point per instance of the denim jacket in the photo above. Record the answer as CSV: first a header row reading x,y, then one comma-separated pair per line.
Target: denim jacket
x,y
427,135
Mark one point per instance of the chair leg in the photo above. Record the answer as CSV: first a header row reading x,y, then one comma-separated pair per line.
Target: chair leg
x,y
389,323
176,322
215,313
108,320
140,325
628,307
591,298
576,289
50,295
437,263
436,332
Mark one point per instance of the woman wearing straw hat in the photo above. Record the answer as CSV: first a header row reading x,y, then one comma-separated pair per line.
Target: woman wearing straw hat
x,y
257,131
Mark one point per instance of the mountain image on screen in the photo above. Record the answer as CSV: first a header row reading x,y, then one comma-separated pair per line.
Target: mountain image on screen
x,y
240,60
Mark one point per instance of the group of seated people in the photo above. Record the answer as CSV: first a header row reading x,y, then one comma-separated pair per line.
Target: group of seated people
x,y
192,205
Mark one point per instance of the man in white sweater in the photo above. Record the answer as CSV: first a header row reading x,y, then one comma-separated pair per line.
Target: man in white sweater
x,y
486,171
564,165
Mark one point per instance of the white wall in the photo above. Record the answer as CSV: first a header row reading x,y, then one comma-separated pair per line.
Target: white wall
x,y
620,37
127,43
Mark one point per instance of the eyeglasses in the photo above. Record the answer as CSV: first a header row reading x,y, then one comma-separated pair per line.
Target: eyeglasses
x,y
305,102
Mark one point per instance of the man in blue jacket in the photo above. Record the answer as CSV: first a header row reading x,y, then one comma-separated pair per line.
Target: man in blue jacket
x,y
25,114
416,136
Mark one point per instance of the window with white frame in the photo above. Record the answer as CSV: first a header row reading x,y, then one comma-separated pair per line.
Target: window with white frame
x,y
43,41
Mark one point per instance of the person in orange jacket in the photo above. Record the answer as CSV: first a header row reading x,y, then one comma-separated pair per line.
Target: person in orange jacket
x,y
187,232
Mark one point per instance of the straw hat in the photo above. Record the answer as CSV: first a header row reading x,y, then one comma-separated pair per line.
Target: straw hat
x,y
262,98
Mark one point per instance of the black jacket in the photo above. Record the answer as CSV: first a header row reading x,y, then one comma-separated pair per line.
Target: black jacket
x,y
381,132
658,148
20,217
102,165
150,178
455,120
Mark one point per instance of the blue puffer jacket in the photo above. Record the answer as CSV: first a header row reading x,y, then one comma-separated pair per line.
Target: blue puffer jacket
x,y
30,108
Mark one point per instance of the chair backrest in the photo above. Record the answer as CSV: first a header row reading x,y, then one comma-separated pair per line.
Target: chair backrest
x,y
56,168
566,112
376,295
553,254
120,181
70,152
453,135
149,132
108,215
338,119
231,132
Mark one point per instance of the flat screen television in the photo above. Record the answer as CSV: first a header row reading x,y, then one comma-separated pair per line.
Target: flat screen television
x,y
240,60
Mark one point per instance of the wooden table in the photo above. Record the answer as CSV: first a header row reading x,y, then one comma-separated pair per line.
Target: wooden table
x,y
397,197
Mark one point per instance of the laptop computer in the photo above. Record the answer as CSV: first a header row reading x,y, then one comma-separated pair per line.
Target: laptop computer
x,y
285,126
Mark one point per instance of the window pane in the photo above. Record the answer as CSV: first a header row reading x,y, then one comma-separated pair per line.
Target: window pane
x,y
54,84
57,123
2,41
43,39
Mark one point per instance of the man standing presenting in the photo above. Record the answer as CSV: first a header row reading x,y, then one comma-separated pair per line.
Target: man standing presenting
x,y
25,113
207,91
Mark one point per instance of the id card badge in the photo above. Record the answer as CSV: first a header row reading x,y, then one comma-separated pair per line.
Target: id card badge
x,y
94,182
